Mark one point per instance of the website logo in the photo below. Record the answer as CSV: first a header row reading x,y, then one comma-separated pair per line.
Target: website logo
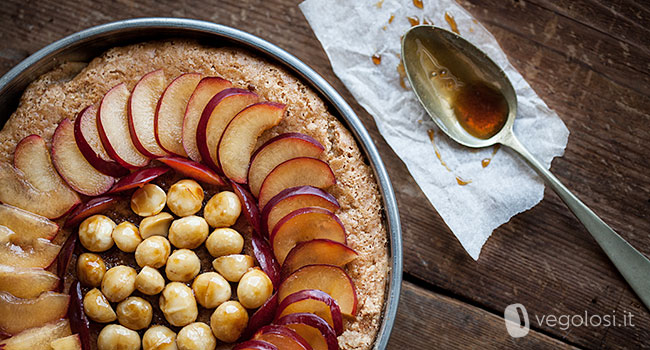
x,y
517,322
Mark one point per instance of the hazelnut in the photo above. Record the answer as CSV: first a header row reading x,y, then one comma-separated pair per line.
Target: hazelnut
x,y
229,321
134,313
116,337
224,241
233,266
182,266
211,289
153,252
185,198
95,233
159,338
254,288
118,283
148,200
149,281
178,304
196,336
188,232
223,209
90,269
126,237
97,307
157,225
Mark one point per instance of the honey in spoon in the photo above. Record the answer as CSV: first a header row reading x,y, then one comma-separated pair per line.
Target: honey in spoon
x,y
476,105
480,109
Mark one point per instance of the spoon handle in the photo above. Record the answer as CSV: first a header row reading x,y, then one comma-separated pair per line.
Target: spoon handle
x,y
633,265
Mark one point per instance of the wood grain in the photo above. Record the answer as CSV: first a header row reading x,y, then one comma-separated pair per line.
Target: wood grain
x,y
590,62
439,320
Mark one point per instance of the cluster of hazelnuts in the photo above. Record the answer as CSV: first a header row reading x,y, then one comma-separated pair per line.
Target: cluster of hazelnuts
x,y
152,243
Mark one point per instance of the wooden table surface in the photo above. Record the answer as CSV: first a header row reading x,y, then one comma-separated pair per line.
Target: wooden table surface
x,y
588,59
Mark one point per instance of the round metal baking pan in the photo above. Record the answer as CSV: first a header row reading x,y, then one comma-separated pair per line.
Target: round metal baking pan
x,y
89,43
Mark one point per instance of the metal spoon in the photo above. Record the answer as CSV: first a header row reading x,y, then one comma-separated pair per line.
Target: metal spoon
x,y
428,52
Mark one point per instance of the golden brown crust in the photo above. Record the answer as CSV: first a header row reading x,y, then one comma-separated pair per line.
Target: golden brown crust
x,y
62,93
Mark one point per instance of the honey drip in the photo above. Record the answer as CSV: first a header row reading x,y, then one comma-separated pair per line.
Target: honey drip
x,y
418,4
432,137
379,3
452,23
413,20
376,59
486,161
402,75
428,21
390,20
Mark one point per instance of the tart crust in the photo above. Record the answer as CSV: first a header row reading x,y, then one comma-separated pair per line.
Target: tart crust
x,y
64,91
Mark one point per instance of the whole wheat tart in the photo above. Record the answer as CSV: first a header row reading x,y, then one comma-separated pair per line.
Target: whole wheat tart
x,y
72,86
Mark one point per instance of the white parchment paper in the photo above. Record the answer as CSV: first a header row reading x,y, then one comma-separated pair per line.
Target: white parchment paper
x,y
351,32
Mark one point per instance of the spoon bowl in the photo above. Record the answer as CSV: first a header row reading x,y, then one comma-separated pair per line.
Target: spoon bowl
x,y
438,63
449,75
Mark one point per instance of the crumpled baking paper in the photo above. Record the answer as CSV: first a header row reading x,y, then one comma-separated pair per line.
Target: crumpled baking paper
x,y
351,32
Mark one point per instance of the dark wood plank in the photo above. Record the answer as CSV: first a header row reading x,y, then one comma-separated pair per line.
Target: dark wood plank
x,y
543,258
445,323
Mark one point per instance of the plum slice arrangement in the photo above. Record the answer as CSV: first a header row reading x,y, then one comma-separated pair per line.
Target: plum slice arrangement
x,y
201,127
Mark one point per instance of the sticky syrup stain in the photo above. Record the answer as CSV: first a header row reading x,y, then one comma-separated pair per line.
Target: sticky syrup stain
x,y
486,161
462,182
414,20
452,23
418,4
379,3
428,21
376,59
390,20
